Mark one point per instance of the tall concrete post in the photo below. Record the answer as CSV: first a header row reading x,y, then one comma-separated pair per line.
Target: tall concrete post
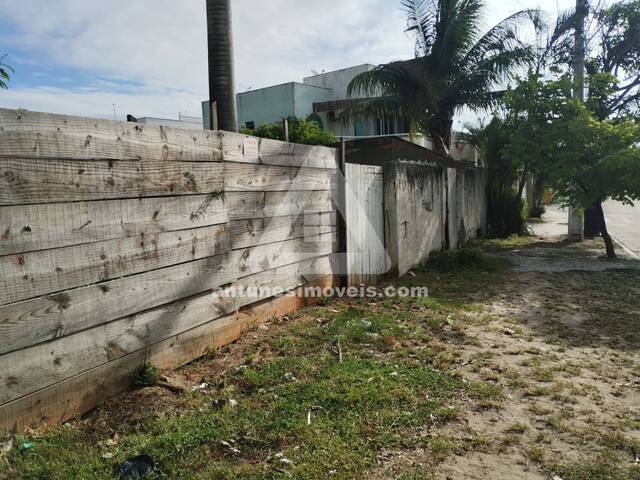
x,y
576,216
221,67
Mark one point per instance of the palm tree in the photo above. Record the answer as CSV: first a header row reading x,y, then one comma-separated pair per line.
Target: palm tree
x,y
455,65
4,72
221,71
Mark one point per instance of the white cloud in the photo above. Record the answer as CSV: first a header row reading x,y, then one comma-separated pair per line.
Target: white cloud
x,y
161,45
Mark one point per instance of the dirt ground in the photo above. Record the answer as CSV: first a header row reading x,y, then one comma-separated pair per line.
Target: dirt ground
x,y
545,352
563,339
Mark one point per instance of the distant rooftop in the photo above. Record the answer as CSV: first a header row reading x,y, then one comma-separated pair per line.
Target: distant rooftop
x,y
184,121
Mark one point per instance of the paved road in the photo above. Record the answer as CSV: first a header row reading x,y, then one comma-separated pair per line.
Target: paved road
x,y
624,224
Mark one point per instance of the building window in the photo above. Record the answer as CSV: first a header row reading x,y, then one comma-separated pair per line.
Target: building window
x,y
391,126
360,127
385,126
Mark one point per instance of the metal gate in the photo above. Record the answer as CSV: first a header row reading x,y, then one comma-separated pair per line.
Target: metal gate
x,y
367,258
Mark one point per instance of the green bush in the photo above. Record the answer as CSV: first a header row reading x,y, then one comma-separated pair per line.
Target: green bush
x,y
146,375
300,131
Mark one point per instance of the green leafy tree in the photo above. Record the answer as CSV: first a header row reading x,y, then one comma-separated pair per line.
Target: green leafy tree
x,y
5,71
614,61
300,131
587,160
456,65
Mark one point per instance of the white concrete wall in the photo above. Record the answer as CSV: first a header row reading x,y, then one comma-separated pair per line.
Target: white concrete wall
x,y
416,205
414,213
338,81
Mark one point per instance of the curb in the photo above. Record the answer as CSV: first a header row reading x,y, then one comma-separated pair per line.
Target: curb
x,y
633,254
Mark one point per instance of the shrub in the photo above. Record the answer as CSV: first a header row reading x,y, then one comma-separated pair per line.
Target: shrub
x,y
300,131
146,375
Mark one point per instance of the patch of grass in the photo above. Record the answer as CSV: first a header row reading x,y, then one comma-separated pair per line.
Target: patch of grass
x,y
415,473
543,374
600,470
501,244
557,423
464,259
517,428
322,414
146,375
536,454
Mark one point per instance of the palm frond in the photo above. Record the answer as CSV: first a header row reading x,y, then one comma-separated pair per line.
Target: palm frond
x,y
476,88
503,36
379,107
4,73
458,32
422,16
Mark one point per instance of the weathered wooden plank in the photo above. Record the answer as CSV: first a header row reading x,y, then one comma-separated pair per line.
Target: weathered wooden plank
x,y
250,205
29,370
26,228
242,177
367,257
83,392
264,151
33,274
275,152
42,181
25,134
42,319
245,233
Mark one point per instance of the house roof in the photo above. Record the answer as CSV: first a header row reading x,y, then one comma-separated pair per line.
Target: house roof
x,y
382,150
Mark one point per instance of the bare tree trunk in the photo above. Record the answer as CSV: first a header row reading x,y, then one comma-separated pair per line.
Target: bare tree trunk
x,y
523,182
441,137
608,242
221,67
592,222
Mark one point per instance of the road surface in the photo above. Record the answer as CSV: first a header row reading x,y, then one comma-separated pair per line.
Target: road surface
x,y
623,223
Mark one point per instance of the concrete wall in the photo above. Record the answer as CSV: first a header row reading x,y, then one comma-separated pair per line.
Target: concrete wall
x,y
467,205
418,199
266,105
272,104
414,213
338,81
305,96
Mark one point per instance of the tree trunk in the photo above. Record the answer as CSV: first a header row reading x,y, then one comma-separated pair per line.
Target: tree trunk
x,y
523,182
440,133
221,68
608,242
592,222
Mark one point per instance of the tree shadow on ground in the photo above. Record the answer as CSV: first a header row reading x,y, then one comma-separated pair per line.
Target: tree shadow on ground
x,y
572,308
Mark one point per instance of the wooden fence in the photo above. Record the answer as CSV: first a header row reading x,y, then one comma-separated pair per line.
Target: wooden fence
x,y
115,239
367,259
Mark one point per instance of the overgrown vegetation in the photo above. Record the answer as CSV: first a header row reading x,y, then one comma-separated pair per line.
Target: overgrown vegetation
x,y
146,375
306,132
506,211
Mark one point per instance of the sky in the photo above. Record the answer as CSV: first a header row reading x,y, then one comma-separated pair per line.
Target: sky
x,y
108,58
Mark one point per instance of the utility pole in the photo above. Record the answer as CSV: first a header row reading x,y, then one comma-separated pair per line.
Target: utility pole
x,y
576,217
